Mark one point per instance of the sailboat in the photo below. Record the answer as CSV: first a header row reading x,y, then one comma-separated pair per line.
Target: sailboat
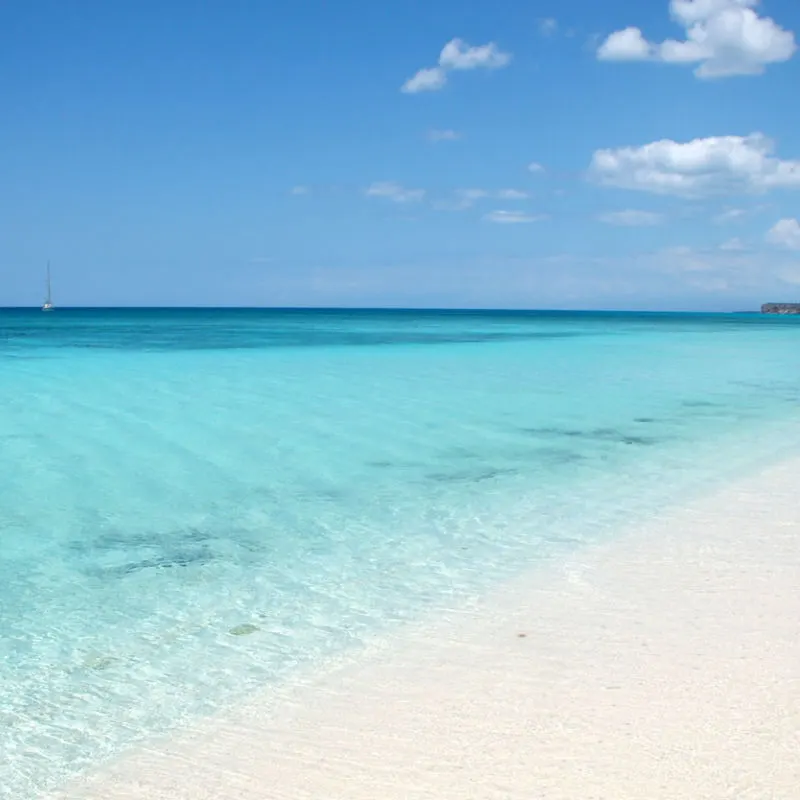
x,y
48,303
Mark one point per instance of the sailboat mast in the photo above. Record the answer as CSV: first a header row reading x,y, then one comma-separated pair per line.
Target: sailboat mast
x,y
48,303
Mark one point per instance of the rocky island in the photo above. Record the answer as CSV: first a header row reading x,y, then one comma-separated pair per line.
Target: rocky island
x,y
780,308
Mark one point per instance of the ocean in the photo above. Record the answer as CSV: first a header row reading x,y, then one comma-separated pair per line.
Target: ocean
x,y
196,505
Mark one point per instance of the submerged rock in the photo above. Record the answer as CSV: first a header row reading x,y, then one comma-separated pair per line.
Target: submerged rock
x,y
100,662
244,630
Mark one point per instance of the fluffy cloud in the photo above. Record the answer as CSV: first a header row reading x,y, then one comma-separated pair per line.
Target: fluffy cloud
x,y
512,217
785,233
722,37
696,168
455,55
535,167
395,192
425,80
625,45
445,135
631,218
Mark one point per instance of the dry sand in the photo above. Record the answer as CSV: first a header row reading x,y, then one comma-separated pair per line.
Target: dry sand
x,y
664,664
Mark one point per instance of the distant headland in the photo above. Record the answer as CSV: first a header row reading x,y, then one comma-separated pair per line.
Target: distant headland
x,y
780,308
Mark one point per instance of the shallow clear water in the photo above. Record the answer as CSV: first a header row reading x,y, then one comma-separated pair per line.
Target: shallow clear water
x,y
195,504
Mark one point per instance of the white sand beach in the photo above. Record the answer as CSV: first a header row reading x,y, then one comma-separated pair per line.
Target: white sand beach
x,y
662,665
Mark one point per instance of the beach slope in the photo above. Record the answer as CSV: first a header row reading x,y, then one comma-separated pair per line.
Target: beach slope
x,y
664,664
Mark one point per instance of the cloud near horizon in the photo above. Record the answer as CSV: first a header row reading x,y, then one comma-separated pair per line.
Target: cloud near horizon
x,y
701,167
785,233
631,218
390,190
504,217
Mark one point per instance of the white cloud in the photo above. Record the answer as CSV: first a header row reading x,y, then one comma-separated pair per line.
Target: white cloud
x,y
473,194
445,135
535,167
511,194
456,55
729,215
548,26
722,37
631,218
699,167
785,233
466,198
512,217
678,278
394,191
625,45
425,80
747,273
688,261
298,190
733,245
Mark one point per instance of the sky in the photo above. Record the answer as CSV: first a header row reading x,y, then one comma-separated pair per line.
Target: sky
x,y
446,153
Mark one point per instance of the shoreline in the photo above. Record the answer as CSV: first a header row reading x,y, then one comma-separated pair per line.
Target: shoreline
x,y
662,664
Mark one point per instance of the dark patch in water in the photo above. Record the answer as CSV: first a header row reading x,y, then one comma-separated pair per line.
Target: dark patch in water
x,y
645,419
117,540
557,455
700,404
769,387
567,432
120,554
470,475
462,453
186,558
327,493
643,441
23,437
244,629
597,434
100,663
391,464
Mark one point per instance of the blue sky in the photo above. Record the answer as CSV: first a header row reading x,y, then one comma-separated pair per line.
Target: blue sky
x,y
290,153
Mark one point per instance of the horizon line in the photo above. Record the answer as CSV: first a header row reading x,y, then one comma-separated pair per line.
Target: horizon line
x,y
396,309
421,309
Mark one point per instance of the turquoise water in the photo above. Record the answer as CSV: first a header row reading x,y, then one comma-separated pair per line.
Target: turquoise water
x,y
196,504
